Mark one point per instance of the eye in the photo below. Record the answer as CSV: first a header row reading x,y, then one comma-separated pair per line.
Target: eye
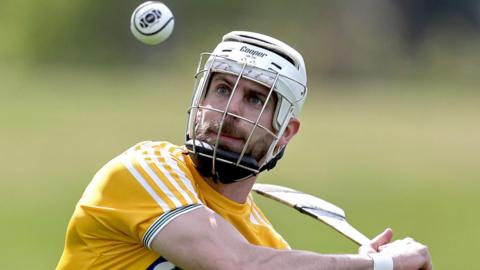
x,y
256,100
223,90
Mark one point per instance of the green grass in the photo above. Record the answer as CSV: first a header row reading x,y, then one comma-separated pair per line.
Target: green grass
x,y
400,154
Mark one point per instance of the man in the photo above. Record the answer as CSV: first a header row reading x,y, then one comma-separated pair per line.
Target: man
x,y
161,206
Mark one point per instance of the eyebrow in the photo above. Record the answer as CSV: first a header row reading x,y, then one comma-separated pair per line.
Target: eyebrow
x,y
223,78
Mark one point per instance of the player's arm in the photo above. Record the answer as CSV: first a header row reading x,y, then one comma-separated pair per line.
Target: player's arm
x,y
201,239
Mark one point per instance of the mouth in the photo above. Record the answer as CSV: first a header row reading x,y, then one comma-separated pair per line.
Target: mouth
x,y
227,137
228,141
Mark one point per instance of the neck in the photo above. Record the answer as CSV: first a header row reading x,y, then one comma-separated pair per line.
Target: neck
x,y
237,192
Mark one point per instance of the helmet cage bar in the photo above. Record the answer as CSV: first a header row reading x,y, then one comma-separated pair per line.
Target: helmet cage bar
x,y
253,80
228,162
274,135
207,61
287,100
204,82
205,57
258,119
205,69
224,115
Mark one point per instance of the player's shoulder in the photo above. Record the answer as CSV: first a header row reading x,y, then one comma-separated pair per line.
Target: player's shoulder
x,y
155,149
155,157
145,164
141,155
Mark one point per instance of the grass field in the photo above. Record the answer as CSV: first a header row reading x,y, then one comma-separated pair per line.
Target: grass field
x,y
398,153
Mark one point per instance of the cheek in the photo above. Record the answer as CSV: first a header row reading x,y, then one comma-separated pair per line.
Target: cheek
x,y
207,115
213,102
266,120
198,117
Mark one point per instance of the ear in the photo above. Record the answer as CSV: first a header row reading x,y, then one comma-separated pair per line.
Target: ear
x,y
290,131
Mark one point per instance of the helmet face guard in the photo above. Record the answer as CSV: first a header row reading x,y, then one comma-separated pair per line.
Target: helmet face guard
x,y
243,61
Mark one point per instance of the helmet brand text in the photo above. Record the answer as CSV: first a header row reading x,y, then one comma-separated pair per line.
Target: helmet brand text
x,y
252,52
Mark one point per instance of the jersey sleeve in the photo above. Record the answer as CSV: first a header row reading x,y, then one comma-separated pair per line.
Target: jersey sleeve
x,y
135,195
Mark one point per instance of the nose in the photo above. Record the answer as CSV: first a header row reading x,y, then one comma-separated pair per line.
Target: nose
x,y
235,107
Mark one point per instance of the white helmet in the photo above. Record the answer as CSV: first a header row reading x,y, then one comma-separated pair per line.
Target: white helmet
x,y
261,59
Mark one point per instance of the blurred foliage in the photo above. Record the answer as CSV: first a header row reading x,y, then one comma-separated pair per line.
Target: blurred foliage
x,y
338,38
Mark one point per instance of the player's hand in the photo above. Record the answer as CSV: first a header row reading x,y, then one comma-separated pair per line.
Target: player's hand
x,y
407,254
380,240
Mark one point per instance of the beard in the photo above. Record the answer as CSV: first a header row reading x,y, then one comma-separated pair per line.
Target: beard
x,y
257,147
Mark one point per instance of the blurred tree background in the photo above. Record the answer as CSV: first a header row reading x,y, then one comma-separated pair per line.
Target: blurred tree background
x,y
390,131
372,37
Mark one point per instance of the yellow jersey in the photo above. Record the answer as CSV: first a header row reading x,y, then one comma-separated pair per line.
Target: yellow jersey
x,y
134,196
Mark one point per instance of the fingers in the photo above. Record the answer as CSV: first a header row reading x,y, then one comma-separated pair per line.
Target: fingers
x,y
403,243
406,253
382,239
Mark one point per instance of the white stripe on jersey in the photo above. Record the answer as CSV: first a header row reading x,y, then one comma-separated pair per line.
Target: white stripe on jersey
x,y
141,160
175,150
264,222
257,214
179,172
128,164
253,219
163,220
170,178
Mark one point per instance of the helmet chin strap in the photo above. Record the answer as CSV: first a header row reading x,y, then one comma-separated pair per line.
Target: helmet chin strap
x,y
226,170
